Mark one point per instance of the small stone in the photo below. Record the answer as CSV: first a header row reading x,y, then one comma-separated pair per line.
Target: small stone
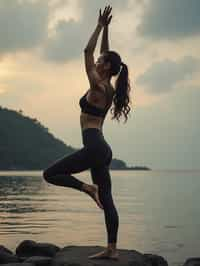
x,y
156,260
192,262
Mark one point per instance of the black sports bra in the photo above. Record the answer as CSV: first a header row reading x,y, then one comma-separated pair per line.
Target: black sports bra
x,y
88,108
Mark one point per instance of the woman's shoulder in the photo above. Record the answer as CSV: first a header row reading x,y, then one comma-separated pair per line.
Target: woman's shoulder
x,y
102,88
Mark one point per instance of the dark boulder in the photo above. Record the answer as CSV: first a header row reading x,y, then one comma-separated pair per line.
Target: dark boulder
x,y
29,248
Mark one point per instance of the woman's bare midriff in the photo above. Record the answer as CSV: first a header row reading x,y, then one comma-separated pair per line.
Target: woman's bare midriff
x,y
88,121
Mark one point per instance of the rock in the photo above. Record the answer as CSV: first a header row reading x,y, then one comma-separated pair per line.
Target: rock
x,y
17,264
192,262
22,259
31,253
2,248
39,260
156,260
29,248
78,256
6,256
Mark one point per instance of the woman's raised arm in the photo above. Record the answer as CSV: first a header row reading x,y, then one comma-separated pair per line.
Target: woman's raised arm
x,y
89,49
105,41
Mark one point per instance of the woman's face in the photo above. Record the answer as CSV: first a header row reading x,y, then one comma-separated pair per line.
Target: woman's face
x,y
100,64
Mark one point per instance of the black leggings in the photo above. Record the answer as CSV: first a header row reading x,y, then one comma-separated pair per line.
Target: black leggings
x,y
96,155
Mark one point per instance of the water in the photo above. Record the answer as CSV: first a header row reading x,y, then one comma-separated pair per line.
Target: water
x,y
158,210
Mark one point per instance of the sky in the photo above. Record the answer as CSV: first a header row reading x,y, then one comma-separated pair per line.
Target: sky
x,y
42,73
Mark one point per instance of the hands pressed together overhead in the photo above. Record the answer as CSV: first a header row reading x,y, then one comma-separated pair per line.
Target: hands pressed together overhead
x,y
103,22
105,18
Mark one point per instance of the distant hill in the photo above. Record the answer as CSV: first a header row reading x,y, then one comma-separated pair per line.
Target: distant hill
x,y
25,144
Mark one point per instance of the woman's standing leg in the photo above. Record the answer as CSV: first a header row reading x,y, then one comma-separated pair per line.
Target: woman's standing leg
x,y
101,177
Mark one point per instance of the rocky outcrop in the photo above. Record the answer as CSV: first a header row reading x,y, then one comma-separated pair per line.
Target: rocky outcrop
x,y
31,253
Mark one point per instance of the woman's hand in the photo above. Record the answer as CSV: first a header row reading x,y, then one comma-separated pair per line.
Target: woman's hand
x,y
104,19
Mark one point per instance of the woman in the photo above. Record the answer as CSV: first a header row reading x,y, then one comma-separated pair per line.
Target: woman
x,y
96,154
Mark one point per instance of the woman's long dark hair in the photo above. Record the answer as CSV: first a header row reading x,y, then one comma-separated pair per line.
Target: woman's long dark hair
x,y
121,97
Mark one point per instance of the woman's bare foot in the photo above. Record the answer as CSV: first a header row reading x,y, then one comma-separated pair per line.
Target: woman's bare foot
x,y
106,254
93,191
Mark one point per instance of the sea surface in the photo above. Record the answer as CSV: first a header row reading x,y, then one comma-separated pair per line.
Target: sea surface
x,y
159,212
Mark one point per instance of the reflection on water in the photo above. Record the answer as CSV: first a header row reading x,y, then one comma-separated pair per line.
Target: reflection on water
x,y
158,212
16,200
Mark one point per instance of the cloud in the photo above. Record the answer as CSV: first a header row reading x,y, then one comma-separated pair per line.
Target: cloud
x,y
163,76
171,19
71,36
23,24
67,42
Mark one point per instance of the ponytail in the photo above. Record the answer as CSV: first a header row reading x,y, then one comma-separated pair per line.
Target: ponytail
x,y
121,97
